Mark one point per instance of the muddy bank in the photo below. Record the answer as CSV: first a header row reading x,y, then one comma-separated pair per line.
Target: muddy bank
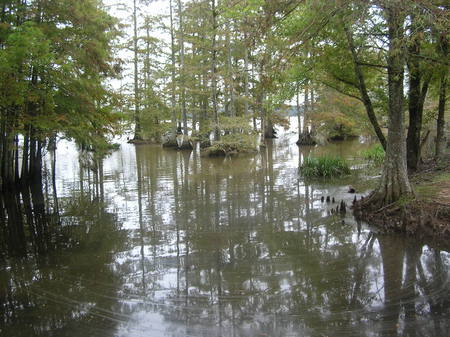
x,y
419,218
426,215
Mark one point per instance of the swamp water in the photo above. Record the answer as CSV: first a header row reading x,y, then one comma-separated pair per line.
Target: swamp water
x,y
155,242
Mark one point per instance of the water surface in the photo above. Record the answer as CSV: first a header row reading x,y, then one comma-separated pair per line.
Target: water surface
x,y
155,242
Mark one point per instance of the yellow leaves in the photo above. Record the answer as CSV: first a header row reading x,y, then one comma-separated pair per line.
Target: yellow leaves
x,y
337,114
280,120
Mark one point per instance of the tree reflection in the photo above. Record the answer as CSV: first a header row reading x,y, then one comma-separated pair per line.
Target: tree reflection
x,y
236,248
242,265
55,276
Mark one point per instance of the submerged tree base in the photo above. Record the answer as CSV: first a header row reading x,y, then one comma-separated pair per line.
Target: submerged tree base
x,y
170,144
424,219
180,142
232,145
224,149
143,141
426,214
306,138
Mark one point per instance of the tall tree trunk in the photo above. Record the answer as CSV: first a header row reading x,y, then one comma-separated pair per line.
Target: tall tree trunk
x,y
7,154
394,182
415,110
268,129
137,120
246,78
183,71
263,115
214,71
196,98
204,105
2,145
16,158
306,109
52,149
299,113
11,201
172,57
416,98
25,155
440,126
255,127
156,136
363,88
231,109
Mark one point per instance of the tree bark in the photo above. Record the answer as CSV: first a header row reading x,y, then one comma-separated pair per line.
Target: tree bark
x,y
182,82
204,105
246,78
299,114
269,130
440,126
25,155
231,108
440,136
137,120
214,71
305,128
172,56
394,183
416,99
363,88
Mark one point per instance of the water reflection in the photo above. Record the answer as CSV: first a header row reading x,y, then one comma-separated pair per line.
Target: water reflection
x,y
152,242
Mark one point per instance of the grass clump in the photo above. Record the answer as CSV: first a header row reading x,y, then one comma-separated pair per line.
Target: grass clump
x,y
325,167
374,155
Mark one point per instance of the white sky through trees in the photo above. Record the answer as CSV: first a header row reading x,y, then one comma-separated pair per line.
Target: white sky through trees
x,y
123,10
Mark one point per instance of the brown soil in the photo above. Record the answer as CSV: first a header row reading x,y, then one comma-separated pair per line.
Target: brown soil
x,y
426,215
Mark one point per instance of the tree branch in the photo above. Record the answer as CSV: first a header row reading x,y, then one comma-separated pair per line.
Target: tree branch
x,y
341,91
366,64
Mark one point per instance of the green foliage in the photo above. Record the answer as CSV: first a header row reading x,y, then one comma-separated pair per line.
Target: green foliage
x,y
339,116
324,166
55,60
375,154
153,115
235,125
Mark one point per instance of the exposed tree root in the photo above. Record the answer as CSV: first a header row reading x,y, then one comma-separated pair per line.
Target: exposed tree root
x,y
306,138
143,141
424,215
170,144
419,218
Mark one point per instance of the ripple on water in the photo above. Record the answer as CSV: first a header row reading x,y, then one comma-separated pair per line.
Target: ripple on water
x,y
168,243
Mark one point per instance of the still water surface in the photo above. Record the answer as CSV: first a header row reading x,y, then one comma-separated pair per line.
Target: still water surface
x,y
166,243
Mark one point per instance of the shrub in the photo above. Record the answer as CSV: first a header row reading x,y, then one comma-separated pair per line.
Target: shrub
x,y
375,154
233,144
324,167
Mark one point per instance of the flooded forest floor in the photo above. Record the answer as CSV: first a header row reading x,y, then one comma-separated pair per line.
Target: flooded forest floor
x,y
428,213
